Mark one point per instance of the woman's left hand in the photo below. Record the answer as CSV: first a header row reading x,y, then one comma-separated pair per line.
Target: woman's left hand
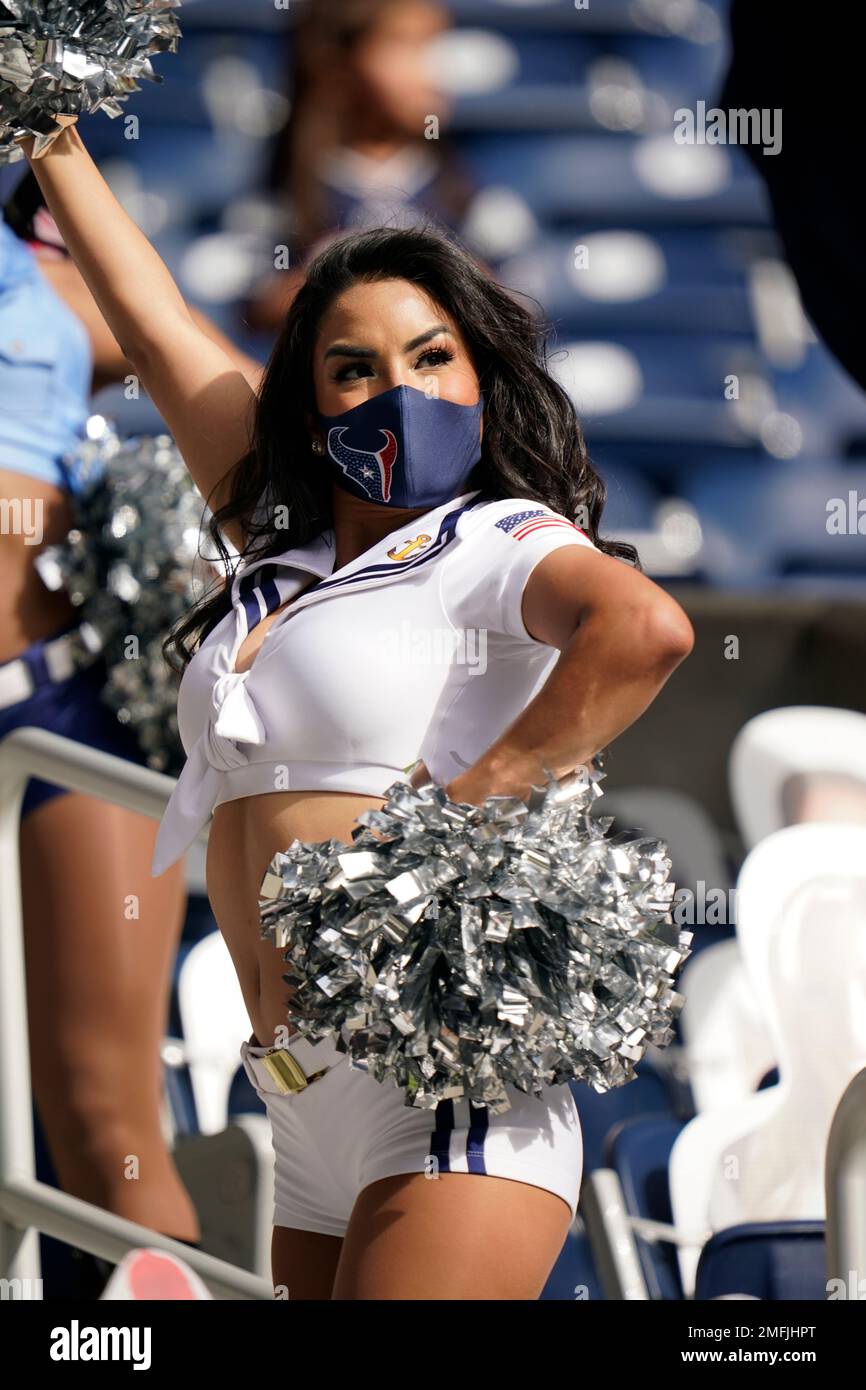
x,y
463,788
477,783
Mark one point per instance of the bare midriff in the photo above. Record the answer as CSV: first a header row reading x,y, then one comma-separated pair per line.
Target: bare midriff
x,y
36,514
244,836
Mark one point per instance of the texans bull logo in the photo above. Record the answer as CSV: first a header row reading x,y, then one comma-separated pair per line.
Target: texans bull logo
x,y
370,469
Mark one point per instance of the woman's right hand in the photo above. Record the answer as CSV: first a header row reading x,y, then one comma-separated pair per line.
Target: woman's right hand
x,y
28,141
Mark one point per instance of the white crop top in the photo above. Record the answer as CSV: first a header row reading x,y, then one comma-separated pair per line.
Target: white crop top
x,y
415,649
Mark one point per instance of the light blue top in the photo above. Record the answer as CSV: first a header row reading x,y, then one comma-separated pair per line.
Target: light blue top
x,y
46,366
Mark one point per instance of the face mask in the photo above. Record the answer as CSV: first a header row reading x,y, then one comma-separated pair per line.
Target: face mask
x,y
404,448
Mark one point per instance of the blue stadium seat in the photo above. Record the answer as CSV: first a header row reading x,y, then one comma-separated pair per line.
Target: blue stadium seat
x,y
646,1096
765,518
639,1152
620,179
679,70
198,172
577,81
554,16
631,496
574,1277
558,16
180,99
636,280
828,404
780,1260
657,399
253,16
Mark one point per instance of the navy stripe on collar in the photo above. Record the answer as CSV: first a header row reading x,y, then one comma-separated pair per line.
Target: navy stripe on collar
x,y
262,581
446,534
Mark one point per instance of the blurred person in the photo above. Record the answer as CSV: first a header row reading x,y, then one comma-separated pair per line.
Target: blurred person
x,y
810,71
97,983
353,151
398,325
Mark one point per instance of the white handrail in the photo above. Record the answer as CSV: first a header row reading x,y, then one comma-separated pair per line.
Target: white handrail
x,y
28,1206
845,1186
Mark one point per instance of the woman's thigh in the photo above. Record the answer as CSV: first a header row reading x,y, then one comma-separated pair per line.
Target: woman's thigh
x,y
452,1236
303,1264
100,937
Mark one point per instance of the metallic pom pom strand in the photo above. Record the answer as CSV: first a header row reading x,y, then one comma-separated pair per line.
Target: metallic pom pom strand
x,y
460,950
62,58
131,566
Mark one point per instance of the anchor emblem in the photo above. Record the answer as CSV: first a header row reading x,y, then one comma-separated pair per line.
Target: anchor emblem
x,y
418,543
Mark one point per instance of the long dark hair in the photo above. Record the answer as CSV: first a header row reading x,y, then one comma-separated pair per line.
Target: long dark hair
x,y
532,445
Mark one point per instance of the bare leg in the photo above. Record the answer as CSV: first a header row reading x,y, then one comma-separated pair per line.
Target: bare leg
x,y
457,1236
101,935
304,1263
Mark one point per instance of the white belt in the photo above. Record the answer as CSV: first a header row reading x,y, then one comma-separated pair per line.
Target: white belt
x,y
63,655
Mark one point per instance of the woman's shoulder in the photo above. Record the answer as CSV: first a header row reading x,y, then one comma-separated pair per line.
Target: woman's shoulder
x,y
504,540
516,518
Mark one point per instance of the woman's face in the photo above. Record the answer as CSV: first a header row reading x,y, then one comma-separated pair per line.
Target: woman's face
x,y
389,333
391,65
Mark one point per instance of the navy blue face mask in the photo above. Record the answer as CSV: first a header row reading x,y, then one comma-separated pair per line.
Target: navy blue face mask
x,y
404,448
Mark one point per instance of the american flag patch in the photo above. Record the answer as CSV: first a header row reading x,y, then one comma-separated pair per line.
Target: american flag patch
x,y
522,524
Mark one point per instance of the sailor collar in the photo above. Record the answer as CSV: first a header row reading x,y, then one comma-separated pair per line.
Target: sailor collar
x,y
262,584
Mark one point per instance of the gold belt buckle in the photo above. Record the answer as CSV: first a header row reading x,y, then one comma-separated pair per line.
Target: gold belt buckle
x,y
287,1073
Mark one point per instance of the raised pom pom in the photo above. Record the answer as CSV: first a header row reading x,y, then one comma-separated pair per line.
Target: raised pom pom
x,y
71,57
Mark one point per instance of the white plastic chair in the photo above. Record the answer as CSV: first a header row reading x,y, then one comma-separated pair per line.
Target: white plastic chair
x,y
725,1040
215,1023
777,745
802,933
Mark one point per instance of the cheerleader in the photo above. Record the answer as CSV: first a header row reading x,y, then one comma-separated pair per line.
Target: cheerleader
x,y
352,152
96,1011
407,464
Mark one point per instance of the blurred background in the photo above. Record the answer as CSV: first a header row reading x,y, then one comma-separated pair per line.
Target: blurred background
x,y
722,425
726,431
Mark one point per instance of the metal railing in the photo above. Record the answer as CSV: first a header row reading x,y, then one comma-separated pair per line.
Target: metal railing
x,y
28,1206
845,1191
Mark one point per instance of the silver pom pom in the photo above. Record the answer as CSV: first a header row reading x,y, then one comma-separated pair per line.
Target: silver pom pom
x,y
62,57
131,565
458,949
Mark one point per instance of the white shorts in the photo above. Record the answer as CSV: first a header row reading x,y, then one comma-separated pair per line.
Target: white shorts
x,y
347,1130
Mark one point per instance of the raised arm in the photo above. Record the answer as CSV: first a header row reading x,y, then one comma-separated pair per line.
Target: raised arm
x,y
109,361
205,399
